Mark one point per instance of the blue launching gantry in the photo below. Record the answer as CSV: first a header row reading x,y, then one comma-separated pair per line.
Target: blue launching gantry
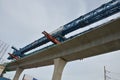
x,y
58,35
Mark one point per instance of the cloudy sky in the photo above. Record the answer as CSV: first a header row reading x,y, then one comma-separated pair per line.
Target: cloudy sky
x,y
22,21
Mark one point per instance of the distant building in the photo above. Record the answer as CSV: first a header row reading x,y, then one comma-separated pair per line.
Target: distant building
x,y
28,77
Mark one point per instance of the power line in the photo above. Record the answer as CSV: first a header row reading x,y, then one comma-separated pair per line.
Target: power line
x,y
1,44
4,51
108,77
114,73
115,79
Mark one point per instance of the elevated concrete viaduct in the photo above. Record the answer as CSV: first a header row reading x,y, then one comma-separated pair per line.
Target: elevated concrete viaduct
x,y
103,39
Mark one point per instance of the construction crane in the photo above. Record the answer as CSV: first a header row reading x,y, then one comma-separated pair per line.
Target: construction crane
x,y
58,35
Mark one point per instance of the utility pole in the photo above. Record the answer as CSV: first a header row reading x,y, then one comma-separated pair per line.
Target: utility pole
x,y
104,73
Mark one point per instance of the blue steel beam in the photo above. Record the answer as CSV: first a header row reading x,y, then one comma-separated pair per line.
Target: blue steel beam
x,y
100,13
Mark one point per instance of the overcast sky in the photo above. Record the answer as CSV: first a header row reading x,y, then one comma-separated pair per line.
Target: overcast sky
x,y
22,21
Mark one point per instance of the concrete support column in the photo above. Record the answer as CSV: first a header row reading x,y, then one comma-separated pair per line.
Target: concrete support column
x,y
2,68
59,65
17,74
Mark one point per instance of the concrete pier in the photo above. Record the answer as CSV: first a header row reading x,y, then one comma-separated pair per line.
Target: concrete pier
x,y
18,73
59,65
